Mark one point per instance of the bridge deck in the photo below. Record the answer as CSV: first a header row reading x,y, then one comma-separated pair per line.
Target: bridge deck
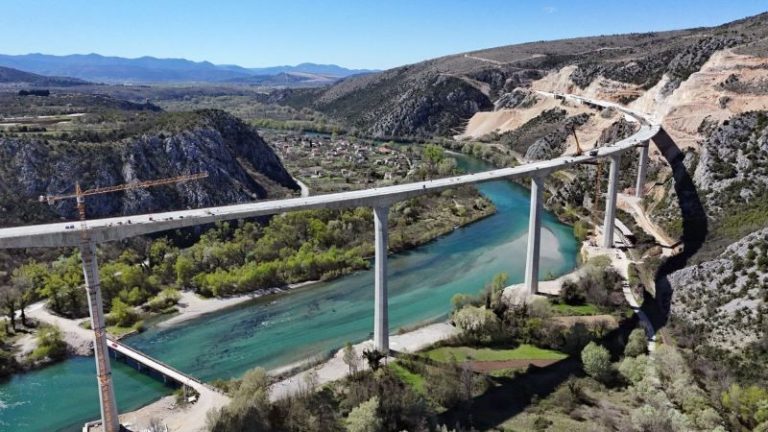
x,y
158,366
118,228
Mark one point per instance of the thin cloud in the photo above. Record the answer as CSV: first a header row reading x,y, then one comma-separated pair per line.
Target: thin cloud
x,y
549,9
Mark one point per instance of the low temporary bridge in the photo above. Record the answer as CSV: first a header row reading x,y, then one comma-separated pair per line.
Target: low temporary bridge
x,y
158,366
379,199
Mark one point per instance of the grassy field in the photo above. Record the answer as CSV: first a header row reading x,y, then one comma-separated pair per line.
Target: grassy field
x,y
416,381
522,352
579,310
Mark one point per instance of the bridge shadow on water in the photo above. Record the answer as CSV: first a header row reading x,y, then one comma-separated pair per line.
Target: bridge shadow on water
x,y
695,230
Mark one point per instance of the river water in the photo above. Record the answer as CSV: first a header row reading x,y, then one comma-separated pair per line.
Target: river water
x,y
294,326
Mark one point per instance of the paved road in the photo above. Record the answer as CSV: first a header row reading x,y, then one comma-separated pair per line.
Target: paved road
x,y
303,186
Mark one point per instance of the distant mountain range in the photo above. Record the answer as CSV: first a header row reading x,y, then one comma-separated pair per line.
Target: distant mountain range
x,y
98,68
15,76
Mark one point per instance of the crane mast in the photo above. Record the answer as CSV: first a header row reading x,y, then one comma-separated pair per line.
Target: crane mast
x,y
109,416
578,147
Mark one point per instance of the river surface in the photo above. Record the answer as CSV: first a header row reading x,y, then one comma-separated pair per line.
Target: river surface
x,y
297,325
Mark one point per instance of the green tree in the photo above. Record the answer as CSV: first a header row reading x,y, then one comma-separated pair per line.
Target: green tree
x,y
637,344
597,362
185,270
496,289
374,358
433,155
249,409
9,300
121,314
63,287
364,417
477,322
25,280
50,345
350,358
580,230
750,404
634,368
571,293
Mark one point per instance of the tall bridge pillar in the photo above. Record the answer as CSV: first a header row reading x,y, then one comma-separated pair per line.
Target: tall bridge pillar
x,y
642,166
381,314
610,201
109,418
534,236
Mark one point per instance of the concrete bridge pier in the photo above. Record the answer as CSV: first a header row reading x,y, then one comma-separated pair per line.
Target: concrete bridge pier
x,y
534,235
610,201
381,314
109,416
642,167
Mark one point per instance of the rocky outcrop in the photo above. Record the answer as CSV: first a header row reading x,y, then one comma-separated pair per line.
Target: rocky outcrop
x,y
433,106
678,61
241,167
552,144
517,98
733,166
722,301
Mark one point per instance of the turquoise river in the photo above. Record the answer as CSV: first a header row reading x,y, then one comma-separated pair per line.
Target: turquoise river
x,y
294,326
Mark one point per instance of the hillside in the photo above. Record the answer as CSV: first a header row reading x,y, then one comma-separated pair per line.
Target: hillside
x,y
707,185
285,79
9,76
118,146
439,96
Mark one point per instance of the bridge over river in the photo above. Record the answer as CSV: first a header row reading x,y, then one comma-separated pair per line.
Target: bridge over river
x,y
91,232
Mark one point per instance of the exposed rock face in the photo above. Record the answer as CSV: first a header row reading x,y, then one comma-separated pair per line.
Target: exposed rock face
x,y
619,130
734,160
552,144
397,103
517,98
693,57
434,106
723,300
678,62
241,167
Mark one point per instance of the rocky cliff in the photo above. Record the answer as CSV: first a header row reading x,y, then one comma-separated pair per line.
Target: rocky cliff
x,y
241,167
722,301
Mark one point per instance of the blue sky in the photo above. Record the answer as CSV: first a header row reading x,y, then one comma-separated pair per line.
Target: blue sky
x,y
352,33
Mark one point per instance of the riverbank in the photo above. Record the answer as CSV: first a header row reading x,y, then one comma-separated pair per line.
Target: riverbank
x,y
303,323
191,418
193,306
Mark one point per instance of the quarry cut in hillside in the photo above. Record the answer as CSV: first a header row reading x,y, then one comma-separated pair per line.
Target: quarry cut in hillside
x,y
439,96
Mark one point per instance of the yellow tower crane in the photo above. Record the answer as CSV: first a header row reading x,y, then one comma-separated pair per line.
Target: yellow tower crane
x,y
578,147
109,416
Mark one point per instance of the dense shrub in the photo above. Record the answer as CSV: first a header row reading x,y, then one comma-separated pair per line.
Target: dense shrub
x,y
597,362
50,345
637,344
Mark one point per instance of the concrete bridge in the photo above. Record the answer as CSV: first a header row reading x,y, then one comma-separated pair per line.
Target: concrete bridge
x,y
158,366
87,235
